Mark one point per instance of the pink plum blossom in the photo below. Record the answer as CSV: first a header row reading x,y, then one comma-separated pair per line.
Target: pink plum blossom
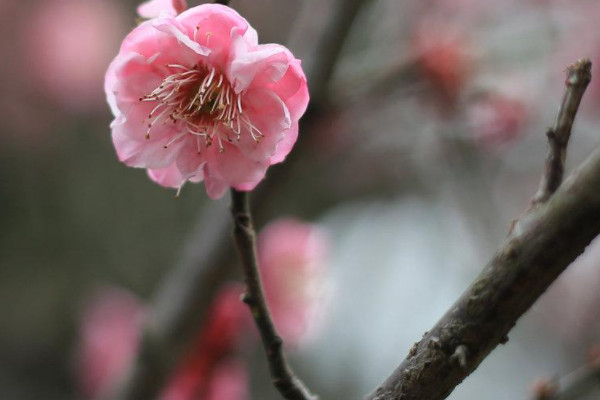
x,y
57,52
109,337
110,334
208,366
443,56
293,256
195,97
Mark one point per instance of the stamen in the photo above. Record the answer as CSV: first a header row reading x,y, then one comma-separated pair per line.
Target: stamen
x,y
174,139
203,100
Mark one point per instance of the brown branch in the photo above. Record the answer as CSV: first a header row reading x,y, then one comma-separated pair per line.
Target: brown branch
x,y
578,78
578,383
284,379
549,237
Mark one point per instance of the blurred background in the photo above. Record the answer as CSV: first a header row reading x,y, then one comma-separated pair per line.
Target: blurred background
x,y
424,140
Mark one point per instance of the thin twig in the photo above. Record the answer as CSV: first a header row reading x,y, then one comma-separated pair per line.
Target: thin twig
x,y
284,379
224,2
549,238
581,382
578,78
324,56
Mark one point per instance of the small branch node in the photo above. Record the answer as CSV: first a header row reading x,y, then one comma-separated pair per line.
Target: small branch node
x,y
434,343
247,298
460,356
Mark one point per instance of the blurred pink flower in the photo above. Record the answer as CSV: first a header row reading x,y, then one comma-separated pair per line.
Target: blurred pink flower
x,y
229,381
495,119
69,43
109,338
196,93
443,56
110,335
292,257
154,8
226,325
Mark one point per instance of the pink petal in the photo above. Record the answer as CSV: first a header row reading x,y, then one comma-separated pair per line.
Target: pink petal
x,y
144,153
155,41
262,63
215,186
268,114
271,66
156,8
173,27
189,162
233,168
168,177
285,145
212,26
293,89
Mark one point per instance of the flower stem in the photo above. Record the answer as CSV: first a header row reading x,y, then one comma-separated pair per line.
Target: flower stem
x,y
284,379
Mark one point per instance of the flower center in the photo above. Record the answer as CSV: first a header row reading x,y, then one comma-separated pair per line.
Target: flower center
x,y
203,99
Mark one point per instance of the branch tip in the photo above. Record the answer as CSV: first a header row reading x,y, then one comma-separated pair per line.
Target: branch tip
x,y
579,75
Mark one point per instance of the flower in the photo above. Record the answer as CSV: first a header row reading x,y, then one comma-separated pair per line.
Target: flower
x,y
70,74
207,367
293,256
109,338
110,334
195,97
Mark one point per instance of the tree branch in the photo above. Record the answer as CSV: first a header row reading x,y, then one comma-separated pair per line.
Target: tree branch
x,y
578,78
283,377
323,56
548,238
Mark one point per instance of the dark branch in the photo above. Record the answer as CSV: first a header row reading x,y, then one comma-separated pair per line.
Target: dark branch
x,y
284,379
324,56
548,238
578,78
224,2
